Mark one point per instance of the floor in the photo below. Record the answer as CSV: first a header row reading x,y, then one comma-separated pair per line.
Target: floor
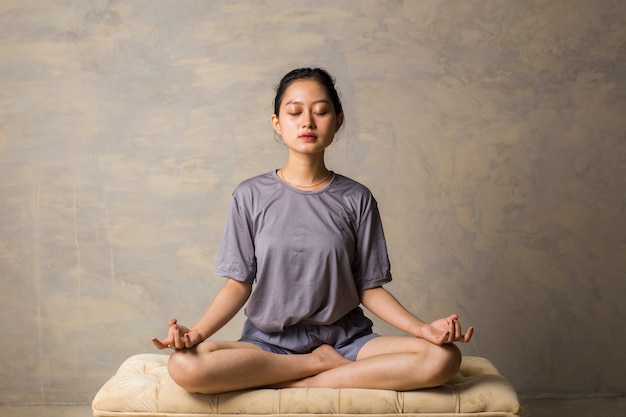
x,y
535,407
583,407
46,411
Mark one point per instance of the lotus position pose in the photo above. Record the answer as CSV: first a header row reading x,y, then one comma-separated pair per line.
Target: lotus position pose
x,y
304,248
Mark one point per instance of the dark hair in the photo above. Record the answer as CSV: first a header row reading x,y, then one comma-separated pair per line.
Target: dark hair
x,y
317,74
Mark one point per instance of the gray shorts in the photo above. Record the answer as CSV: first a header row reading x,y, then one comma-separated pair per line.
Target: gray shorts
x,y
347,336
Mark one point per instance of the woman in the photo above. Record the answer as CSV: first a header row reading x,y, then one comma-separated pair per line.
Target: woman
x,y
312,243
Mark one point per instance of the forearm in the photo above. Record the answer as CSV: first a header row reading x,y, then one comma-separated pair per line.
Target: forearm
x,y
385,306
228,301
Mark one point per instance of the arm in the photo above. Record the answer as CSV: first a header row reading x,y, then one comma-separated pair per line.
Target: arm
x,y
385,306
228,301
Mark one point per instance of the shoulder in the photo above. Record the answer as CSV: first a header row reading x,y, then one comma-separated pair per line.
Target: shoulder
x,y
351,188
354,194
256,184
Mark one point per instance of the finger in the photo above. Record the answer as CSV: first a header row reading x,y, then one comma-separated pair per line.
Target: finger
x,y
171,322
171,334
468,334
178,340
452,331
169,341
159,344
458,334
162,344
187,340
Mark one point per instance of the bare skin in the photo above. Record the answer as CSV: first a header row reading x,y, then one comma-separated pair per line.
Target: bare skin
x,y
214,367
211,367
375,370
427,357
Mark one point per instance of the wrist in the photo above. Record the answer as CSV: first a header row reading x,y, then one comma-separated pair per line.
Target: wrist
x,y
416,329
199,333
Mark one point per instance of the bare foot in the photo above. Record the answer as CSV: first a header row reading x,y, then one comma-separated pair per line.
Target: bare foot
x,y
329,357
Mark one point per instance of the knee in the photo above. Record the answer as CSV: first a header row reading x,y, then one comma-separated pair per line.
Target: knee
x,y
192,368
181,369
447,361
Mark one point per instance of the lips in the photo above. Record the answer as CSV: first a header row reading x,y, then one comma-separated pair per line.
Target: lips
x,y
307,136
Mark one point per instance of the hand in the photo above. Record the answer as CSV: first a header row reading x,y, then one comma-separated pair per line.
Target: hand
x,y
178,337
446,330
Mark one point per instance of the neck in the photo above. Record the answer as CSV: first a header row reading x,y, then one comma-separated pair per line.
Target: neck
x,y
305,172
305,167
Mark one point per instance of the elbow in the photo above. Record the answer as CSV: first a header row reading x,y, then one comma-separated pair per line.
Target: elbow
x,y
367,295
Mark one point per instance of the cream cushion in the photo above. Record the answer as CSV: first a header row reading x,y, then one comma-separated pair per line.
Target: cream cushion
x,y
143,387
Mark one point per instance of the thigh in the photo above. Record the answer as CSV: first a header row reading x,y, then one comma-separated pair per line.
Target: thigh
x,y
383,345
213,345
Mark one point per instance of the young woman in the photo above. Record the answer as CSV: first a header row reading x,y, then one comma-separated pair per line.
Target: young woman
x,y
312,243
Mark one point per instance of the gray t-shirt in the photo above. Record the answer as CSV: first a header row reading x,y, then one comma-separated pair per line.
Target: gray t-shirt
x,y
310,252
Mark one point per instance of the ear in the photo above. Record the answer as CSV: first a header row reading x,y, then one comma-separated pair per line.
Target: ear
x,y
275,124
339,122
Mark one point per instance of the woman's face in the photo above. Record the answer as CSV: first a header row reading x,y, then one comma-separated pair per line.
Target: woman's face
x,y
307,121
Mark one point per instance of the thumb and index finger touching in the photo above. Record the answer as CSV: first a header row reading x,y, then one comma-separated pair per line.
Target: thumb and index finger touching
x,y
166,343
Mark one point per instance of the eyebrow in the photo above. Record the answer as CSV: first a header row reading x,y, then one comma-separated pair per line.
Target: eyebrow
x,y
315,102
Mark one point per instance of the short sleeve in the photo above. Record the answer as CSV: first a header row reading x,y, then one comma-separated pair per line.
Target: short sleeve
x,y
371,262
236,257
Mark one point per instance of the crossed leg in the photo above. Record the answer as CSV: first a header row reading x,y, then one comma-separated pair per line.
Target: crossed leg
x,y
214,367
386,362
390,362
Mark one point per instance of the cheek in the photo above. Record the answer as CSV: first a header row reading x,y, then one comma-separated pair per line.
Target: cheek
x,y
327,124
289,123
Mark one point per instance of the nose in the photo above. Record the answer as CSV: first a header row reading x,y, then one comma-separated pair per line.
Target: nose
x,y
307,120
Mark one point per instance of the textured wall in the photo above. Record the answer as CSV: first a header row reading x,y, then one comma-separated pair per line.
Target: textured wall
x,y
492,134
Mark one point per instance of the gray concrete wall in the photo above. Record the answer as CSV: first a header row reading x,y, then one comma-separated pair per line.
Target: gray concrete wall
x,y
492,134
